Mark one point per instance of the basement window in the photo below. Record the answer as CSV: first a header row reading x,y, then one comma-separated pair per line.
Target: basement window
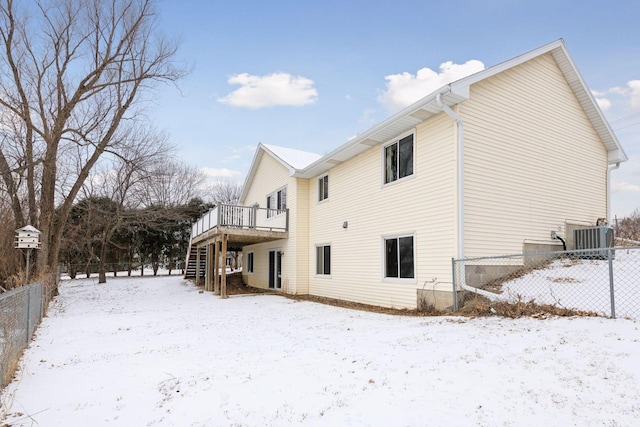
x,y
399,260
323,260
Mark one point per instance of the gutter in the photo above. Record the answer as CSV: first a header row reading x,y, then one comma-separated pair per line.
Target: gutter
x,y
609,169
460,204
460,171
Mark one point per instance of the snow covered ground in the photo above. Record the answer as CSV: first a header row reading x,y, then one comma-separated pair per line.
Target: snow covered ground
x,y
584,284
154,351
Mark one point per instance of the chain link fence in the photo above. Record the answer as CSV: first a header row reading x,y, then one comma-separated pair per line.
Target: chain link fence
x,y
21,310
601,281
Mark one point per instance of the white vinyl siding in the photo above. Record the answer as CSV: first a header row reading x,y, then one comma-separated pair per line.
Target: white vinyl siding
x,y
424,205
532,159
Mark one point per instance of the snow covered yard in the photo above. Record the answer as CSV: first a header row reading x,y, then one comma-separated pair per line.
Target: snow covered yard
x,y
155,352
583,284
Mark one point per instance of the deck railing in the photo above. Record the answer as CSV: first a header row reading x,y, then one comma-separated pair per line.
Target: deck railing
x,y
242,217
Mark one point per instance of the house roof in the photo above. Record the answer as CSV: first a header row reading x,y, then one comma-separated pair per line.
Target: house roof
x,y
307,165
293,160
458,91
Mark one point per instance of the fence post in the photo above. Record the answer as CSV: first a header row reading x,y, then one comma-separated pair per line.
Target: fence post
x,y
28,313
613,303
453,280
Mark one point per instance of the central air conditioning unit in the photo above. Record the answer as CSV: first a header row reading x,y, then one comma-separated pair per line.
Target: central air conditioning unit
x,y
597,238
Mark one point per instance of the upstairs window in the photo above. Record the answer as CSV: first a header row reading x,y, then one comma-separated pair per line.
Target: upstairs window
x,y
398,159
323,188
276,202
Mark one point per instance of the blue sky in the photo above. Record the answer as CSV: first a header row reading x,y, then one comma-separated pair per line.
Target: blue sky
x,y
311,74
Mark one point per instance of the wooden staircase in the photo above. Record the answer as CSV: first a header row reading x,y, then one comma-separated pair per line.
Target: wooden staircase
x,y
190,270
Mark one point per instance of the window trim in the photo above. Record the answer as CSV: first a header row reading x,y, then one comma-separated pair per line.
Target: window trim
x,y
325,187
250,254
384,259
396,140
316,247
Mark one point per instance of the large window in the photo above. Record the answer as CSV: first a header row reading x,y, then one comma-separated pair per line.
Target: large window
x,y
249,263
399,257
323,260
398,159
323,188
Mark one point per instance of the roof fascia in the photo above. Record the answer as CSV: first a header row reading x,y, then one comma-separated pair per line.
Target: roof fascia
x,y
324,163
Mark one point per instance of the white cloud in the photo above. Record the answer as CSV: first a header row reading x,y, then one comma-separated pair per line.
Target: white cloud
x,y
634,100
603,103
631,93
272,89
367,116
231,159
406,88
220,173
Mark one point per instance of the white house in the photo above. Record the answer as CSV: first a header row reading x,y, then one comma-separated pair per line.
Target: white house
x,y
487,165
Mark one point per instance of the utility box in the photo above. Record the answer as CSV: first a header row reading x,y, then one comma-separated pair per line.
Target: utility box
x,y
27,238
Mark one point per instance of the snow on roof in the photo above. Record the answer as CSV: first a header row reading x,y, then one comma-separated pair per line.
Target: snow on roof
x,y
297,159
29,229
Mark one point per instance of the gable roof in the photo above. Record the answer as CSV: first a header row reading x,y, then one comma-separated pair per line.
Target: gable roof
x,y
290,158
458,91
293,160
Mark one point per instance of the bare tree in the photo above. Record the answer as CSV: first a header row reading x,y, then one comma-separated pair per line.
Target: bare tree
x,y
73,74
171,183
115,181
629,227
225,191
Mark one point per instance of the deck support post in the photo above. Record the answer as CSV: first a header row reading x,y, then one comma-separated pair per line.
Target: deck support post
x,y
216,268
208,269
198,265
223,293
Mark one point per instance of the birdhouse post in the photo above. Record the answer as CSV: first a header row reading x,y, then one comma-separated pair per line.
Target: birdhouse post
x,y
27,238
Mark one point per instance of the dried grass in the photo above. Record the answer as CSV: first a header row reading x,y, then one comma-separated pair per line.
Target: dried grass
x,y
477,305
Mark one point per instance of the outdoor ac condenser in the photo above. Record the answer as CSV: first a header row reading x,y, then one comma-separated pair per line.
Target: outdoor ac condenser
x,y
598,238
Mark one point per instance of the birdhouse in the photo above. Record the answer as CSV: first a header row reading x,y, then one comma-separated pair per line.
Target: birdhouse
x,y
28,238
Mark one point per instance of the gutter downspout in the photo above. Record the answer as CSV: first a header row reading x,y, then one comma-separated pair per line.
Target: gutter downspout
x,y
460,170
609,169
460,194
